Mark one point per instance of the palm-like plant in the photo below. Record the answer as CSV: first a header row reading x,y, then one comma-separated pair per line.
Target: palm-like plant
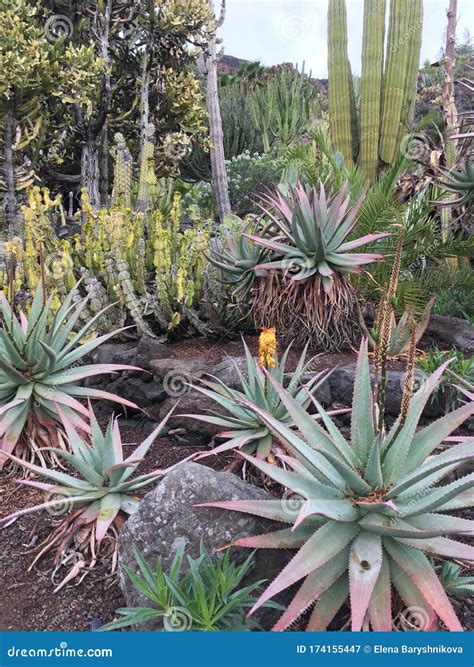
x,y
99,496
371,509
244,430
39,370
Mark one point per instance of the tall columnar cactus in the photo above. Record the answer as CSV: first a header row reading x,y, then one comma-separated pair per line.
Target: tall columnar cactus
x,y
401,53
341,92
413,55
387,99
147,172
122,190
371,85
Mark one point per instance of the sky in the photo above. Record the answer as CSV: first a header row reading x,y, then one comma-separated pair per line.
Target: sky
x,y
276,31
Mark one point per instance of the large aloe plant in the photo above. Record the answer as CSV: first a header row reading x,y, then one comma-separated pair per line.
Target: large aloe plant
x,y
371,509
304,276
312,235
39,370
244,430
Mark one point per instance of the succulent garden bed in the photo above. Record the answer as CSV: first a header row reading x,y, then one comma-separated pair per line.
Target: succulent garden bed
x,y
236,326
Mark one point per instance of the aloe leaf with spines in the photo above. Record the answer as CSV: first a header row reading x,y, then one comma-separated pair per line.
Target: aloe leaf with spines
x,y
39,371
380,526
242,430
100,493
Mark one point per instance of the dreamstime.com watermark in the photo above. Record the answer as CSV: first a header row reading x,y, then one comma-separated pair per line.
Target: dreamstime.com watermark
x,y
61,651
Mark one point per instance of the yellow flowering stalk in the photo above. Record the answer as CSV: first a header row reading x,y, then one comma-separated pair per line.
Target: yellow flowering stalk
x,y
267,347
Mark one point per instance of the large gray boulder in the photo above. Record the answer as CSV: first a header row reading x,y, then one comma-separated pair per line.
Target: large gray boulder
x,y
178,378
168,517
341,382
452,331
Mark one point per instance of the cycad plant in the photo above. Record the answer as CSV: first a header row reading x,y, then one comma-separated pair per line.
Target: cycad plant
x,y
302,287
96,499
371,509
39,371
244,431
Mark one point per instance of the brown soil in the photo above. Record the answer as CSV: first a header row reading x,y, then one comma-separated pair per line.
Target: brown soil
x,y
27,601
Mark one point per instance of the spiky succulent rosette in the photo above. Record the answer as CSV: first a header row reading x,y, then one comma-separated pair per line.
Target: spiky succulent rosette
x,y
39,370
244,430
97,499
371,510
312,235
237,260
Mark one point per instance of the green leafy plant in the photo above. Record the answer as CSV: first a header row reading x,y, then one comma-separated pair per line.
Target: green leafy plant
x,y
39,371
370,508
206,598
99,496
460,372
244,430
453,581
400,337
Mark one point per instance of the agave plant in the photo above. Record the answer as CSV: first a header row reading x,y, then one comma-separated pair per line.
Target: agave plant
x,y
245,430
460,183
305,274
371,510
99,496
39,370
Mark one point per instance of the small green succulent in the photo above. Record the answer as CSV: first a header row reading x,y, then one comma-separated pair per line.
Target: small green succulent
x,y
370,510
401,331
453,581
237,259
39,370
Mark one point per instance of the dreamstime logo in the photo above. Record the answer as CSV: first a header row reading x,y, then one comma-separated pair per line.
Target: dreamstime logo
x,y
177,619
396,45
415,147
292,505
294,28
58,264
58,27
176,383
63,504
414,619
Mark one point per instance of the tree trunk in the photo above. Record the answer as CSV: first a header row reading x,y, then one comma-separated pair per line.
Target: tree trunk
x,y
9,201
218,168
90,173
450,114
144,104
